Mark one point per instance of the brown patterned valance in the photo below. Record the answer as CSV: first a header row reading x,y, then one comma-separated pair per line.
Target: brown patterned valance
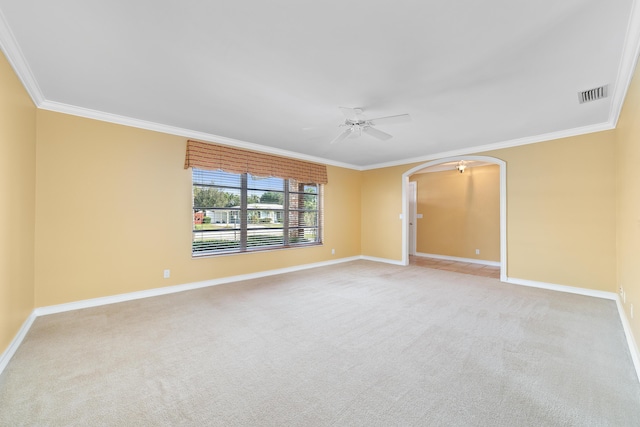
x,y
204,155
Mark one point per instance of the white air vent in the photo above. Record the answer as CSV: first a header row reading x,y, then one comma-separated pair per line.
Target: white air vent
x,y
593,94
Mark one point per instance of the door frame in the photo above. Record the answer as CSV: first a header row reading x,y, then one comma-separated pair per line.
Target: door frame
x,y
412,188
503,205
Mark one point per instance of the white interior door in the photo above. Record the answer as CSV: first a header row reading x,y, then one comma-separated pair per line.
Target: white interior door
x,y
412,190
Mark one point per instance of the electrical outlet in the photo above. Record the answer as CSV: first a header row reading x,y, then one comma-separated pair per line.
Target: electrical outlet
x,y
167,274
477,251
620,290
333,251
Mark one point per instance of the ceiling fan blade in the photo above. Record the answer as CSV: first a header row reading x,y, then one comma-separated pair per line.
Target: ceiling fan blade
x,y
376,133
401,118
342,136
353,114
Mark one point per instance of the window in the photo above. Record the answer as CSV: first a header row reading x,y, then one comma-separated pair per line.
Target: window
x,y
235,213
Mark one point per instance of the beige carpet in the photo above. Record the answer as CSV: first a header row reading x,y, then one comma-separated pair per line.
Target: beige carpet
x,y
357,344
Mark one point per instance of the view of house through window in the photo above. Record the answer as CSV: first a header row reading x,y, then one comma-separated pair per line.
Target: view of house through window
x,y
242,212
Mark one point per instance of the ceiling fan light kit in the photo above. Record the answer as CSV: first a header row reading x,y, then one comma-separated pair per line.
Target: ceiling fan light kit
x,y
356,123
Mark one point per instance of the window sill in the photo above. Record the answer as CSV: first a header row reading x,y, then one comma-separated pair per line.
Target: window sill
x,y
253,251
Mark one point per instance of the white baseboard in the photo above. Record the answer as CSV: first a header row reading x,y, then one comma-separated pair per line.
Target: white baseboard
x,y
631,342
384,260
113,299
562,288
455,258
626,326
43,311
6,356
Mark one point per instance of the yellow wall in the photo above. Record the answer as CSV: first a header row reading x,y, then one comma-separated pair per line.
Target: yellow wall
x,y
560,211
114,211
17,203
381,209
461,213
628,203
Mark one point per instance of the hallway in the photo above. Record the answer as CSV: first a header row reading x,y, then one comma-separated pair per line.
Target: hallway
x,y
457,266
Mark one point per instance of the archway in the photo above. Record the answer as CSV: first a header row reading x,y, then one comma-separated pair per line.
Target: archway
x,y
503,205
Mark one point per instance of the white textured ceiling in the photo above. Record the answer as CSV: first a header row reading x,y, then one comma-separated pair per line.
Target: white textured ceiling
x,y
273,73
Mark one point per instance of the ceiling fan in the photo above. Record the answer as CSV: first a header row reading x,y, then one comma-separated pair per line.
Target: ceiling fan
x,y
356,123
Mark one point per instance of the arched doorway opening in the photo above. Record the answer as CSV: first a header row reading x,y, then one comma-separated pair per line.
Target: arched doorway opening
x,y
503,204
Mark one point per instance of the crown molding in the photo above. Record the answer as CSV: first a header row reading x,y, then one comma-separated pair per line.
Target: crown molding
x,y
207,137
14,55
497,146
628,62
59,107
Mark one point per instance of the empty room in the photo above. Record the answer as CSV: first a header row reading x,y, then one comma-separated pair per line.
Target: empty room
x,y
319,213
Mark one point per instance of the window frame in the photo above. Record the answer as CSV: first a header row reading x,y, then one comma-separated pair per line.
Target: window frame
x,y
244,212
